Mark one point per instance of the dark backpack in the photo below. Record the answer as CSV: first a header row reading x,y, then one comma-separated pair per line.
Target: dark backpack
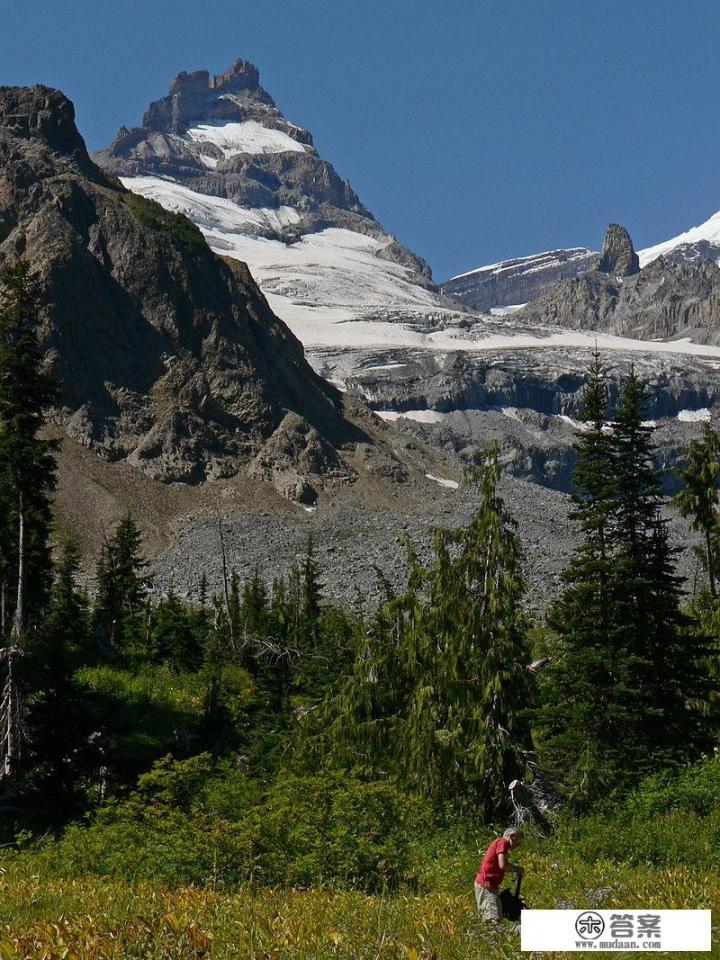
x,y
512,903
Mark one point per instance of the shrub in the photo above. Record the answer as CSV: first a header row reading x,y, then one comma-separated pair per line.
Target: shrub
x,y
176,225
192,821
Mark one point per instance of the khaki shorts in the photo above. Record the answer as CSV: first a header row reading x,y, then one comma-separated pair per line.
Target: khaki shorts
x,y
488,903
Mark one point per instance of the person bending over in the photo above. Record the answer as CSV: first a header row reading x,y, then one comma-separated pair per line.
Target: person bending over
x,y
494,866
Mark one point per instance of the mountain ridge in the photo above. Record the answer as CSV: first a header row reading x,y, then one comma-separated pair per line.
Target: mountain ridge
x,y
169,356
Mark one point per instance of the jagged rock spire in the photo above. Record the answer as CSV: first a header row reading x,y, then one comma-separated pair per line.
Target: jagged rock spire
x,y
618,254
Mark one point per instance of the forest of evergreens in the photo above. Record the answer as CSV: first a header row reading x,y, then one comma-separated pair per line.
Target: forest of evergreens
x,y
267,735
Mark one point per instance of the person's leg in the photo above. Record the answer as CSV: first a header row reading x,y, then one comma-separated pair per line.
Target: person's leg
x,y
488,903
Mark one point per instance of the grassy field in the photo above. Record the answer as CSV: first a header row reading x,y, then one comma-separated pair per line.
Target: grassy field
x,y
44,918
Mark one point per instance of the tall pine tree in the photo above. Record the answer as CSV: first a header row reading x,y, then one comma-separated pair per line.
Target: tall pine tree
x,y
27,478
621,693
698,499
122,582
441,690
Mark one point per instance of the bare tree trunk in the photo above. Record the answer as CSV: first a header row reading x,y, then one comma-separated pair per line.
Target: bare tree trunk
x,y
3,609
710,563
10,716
11,707
18,626
226,589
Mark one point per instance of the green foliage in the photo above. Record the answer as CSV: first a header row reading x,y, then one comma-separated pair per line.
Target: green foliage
x,y
698,500
139,715
193,821
27,466
624,690
441,691
670,819
121,590
176,225
58,720
177,634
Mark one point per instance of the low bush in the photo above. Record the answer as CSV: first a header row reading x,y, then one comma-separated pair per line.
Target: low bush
x,y
193,821
179,227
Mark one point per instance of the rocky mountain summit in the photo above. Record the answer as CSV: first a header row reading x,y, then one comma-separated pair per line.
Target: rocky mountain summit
x,y
665,300
223,136
169,356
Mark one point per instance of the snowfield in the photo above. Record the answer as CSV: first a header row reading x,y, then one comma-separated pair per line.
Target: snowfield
x,y
246,137
333,289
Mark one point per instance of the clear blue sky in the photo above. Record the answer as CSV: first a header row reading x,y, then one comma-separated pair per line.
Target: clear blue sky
x,y
474,129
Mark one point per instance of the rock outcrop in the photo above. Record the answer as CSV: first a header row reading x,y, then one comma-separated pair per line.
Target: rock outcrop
x,y
661,302
618,254
517,281
169,357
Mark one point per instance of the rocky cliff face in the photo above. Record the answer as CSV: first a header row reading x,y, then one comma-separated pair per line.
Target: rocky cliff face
x,y
511,282
618,254
169,357
224,136
663,301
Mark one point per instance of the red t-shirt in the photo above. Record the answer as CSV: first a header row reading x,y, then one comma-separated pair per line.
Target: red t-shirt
x,y
491,874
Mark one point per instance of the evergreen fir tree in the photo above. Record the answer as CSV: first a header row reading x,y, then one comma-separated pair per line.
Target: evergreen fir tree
x,y
254,607
621,693
698,499
27,477
121,588
663,680
27,466
311,598
58,721
440,689
466,735
576,718
177,636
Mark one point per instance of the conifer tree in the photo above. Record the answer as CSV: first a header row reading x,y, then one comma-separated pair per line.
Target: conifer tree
x,y
698,499
467,735
58,721
575,715
620,694
664,680
176,635
27,477
254,606
441,689
122,582
311,598
27,466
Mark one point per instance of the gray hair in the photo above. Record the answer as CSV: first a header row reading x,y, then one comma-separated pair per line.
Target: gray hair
x,y
512,832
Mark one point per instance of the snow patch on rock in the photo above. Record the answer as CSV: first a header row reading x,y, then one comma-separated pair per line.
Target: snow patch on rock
x,y
451,484
246,137
709,230
694,416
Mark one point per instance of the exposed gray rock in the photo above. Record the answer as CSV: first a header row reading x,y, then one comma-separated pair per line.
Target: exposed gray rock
x,y
663,301
295,457
618,254
687,254
520,280
169,357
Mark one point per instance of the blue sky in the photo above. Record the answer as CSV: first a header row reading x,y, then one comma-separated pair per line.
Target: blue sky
x,y
474,129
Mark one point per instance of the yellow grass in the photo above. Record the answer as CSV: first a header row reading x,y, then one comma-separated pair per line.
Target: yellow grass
x,y
45,918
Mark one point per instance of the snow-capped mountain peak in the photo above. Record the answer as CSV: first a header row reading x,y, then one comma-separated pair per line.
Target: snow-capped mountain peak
x,y
693,246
